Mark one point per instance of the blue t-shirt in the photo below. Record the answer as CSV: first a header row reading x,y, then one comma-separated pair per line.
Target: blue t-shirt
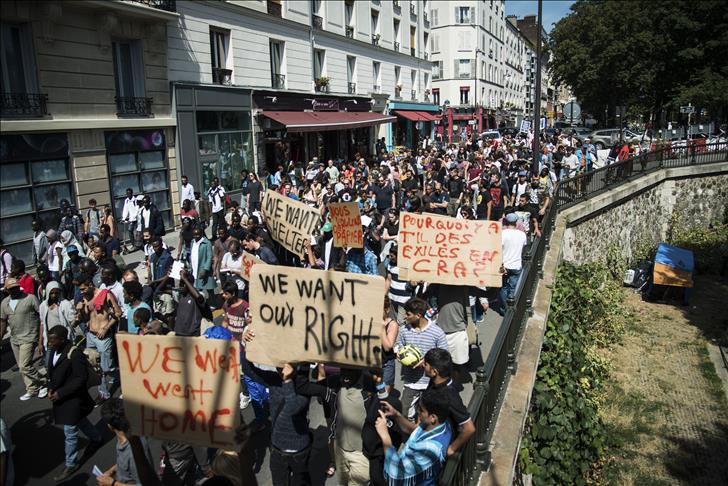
x,y
131,327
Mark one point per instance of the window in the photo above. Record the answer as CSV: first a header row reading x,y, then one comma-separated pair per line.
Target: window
x,y
128,69
278,78
462,15
32,189
397,80
463,68
376,76
464,42
435,43
413,79
349,13
351,73
435,95
464,95
413,41
395,29
18,60
219,49
375,22
437,72
319,60
225,144
434,20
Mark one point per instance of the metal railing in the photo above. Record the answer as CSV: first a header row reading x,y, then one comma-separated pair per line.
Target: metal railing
x,y
317,22
350,31
278,81
396,46
465,466
23,105
275,9
352,88
167,5
127,106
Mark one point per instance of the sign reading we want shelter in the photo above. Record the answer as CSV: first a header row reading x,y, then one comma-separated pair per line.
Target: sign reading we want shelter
x,y
290,222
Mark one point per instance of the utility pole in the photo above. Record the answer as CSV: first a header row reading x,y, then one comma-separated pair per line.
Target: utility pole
x,y
537,101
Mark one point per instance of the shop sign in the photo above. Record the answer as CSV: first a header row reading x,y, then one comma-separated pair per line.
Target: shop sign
x,y
325,105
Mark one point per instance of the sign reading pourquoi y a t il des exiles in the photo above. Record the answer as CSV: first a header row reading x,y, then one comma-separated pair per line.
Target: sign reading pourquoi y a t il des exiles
x,y
304,315
440,249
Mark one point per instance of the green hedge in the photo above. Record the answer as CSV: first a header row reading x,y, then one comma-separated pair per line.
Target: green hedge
x,y
565,437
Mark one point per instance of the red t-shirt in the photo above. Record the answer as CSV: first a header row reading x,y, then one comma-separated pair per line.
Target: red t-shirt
x,y
27,284
236,316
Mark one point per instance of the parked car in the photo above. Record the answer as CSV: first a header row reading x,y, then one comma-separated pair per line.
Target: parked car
x,y
491,135
606,137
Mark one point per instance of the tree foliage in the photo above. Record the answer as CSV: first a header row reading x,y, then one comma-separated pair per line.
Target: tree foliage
x,y
647,55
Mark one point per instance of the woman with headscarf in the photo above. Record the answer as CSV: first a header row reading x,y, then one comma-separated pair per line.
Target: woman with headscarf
x,y
55,310
68,239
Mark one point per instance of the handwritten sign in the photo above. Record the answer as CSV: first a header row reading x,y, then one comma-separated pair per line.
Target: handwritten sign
x,y
249,260
302,315
290,222
181,388
346,221
439,249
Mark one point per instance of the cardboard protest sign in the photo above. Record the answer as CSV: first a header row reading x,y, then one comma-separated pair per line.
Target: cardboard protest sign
x,y
319,316
249,260
290,222
439,249
346,220
181,388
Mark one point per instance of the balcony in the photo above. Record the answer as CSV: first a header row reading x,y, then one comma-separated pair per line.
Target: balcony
x,y
465,75
396,46
352,88
321,84
375,39
413,8
413,95
222,76
166,5
278,81
317,22
129,107
376,88
24,105
274,9
350,31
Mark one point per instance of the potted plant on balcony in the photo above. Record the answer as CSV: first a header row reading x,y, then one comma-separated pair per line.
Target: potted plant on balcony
x,y
322,83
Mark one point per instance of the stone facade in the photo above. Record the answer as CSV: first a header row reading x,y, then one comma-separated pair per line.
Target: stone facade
x,y
630,224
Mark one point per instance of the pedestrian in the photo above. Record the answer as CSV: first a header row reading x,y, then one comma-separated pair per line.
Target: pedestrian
x,y
92,220
187,191
201,261
513,241
255,190
6,261
55,255
216,198
151,217
129,214
67,378
19,314
40,244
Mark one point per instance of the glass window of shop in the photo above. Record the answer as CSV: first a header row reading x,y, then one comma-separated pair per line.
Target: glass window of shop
x,y
32,189
137,160
225,144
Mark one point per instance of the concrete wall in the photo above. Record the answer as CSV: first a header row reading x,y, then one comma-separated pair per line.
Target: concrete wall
x,y
698,195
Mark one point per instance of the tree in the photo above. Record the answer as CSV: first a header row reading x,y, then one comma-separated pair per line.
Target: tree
x,y
650,56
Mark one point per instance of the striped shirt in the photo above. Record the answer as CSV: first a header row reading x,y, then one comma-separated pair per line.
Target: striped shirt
x,y
398,289
428,338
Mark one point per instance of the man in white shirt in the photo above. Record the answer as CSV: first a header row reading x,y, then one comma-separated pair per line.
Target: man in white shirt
x,y
570,163
187,191
129,213
513,241
216,197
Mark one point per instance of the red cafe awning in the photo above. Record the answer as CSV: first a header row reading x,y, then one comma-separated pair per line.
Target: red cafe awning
x,y
315,121
416,116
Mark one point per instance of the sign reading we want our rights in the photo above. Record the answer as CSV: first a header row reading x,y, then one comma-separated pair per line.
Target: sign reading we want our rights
x,y
305,315
181,388
439,249
290,222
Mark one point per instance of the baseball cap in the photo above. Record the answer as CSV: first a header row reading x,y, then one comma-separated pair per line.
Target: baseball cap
x,y
511,218
10,283
71,249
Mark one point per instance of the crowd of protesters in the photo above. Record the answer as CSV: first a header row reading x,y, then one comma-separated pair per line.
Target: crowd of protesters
x,y
382,431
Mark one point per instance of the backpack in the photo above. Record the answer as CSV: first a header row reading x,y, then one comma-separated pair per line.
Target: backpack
x,y
92,358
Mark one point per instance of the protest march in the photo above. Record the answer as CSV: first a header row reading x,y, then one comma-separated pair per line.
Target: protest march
x,y
351,291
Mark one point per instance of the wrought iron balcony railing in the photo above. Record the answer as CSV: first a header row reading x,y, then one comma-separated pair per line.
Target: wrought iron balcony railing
x,y
24,105
167,5
352,88
127,106
396,46
278,81
349,31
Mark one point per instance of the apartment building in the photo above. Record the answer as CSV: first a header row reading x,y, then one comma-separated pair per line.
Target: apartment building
x,y
514,99
84,112
528,26
468,49
259,83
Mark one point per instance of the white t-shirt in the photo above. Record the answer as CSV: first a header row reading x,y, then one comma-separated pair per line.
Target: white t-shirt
x,y
194,256
513,241
571,161
217,198
230,263
187,192
54,262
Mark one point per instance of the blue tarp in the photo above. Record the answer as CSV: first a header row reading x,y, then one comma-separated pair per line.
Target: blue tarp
x,y
675,257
